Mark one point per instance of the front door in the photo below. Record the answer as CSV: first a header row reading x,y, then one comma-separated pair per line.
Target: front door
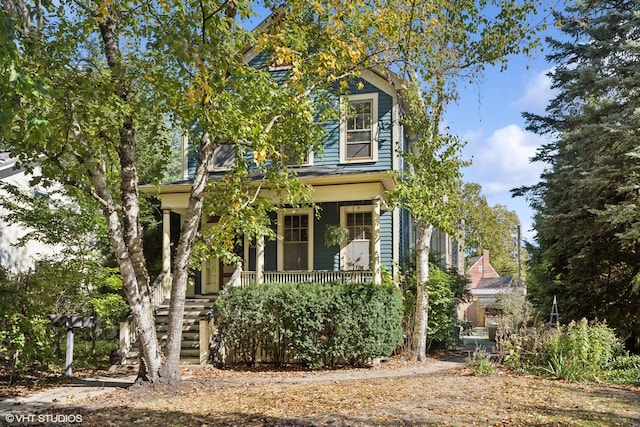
x,y
215,274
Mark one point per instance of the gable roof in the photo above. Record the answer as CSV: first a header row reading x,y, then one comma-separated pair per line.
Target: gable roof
x,y
496,283
7,164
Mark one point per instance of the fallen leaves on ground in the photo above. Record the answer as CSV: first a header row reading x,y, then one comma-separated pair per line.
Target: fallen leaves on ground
x,y
214,397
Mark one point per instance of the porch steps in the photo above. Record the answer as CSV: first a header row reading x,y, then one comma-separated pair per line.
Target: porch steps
x,y
195,309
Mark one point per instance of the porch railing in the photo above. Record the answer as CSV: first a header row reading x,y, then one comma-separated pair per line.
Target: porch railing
x,y
160,289
317,276
128,336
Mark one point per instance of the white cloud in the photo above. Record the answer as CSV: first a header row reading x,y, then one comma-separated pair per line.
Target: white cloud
x,y
537,93
502,161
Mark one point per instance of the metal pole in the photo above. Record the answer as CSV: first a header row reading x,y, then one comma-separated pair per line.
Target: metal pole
x,y
519,259
69,358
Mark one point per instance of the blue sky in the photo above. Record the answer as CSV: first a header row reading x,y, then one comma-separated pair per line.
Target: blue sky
x,y
488,117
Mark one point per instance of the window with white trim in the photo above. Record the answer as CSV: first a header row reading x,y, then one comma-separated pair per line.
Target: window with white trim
x,y
295,247
359,128
358,220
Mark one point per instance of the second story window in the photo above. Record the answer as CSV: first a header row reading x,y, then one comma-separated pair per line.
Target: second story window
x,y
358,129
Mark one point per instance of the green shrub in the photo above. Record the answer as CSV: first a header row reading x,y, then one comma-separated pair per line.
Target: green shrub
x,y
625,369
26,336
590,348
574,352
445,290
314,324
565,368
480,362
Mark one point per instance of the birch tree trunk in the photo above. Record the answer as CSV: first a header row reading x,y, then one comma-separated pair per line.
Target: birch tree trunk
x,y
419,337
125,231
137,294
171,371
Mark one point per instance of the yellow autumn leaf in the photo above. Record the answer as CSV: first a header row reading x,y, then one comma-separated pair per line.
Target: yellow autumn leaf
x,y
259,156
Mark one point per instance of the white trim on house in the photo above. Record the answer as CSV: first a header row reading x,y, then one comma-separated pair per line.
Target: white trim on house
x,y
395,239
344,104
388,87
185,155
341,188
396,135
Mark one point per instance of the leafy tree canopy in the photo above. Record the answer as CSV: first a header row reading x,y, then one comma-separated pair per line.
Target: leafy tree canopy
x,y
494,228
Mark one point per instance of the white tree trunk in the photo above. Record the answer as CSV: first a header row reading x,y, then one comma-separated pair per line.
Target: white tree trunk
x,y
421,319
136,293
124,227
188,233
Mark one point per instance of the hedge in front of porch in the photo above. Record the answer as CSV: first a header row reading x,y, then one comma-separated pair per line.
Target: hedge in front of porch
x,y
314,324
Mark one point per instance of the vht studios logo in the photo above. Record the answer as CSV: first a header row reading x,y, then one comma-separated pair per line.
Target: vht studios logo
x,y
43,418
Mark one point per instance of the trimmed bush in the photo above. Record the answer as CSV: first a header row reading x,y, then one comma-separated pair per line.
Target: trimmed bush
x,y
313,324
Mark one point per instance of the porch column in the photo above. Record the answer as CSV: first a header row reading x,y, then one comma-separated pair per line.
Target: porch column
x,y
375,237
166,250
260,259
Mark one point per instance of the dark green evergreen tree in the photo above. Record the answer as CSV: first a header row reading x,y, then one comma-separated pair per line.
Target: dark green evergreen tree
x,y
587,218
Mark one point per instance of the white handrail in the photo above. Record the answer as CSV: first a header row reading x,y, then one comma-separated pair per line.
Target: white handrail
x,y
317,276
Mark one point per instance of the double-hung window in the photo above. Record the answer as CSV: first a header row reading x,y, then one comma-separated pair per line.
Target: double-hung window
x,y
356,254
295,247
359,128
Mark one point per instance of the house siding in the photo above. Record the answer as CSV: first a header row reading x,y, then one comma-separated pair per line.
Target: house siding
x,y
330,157
329,258
386,240
271,247
326,258
261,60
404,235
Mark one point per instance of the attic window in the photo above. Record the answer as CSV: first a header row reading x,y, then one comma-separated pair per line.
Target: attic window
x,y
223,157
358,128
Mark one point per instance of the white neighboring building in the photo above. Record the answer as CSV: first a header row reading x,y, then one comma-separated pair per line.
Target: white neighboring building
x,y
15,258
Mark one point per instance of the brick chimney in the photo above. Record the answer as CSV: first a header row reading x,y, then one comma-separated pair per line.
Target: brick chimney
x,y
486,264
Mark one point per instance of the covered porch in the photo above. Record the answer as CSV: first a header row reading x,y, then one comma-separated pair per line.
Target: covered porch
x,y
301,253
